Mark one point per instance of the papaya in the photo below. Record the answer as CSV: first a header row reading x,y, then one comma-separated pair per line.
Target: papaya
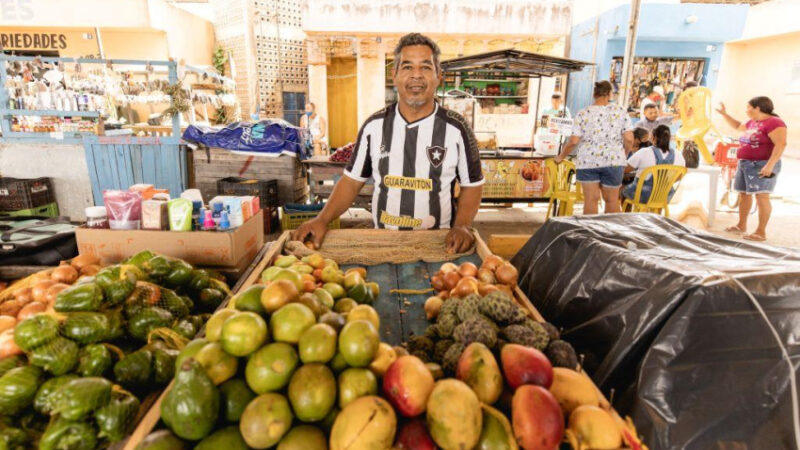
x,y
86,327
148,319
58,356
235,395
191,406
63,433
35,331
94,360
140,258
80,397
189,351
42,403
161,440
117,418
11,362
85,297
228,438
18,388
135,369
14,439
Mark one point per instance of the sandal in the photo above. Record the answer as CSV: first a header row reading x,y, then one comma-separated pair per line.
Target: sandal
x,y
754,237
735,229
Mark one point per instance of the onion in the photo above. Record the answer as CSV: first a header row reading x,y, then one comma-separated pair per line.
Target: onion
x,y
466,287
448,267
432,307
505,289
7,345
40,289
468,270
52,292
11,307
81,261
485,289
486,276
31,309
90,270
507,274
64,274
451,279
492,262
437,282
7,322
24,295
444,294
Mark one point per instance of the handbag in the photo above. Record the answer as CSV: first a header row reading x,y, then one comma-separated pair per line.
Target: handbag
x,y
691,154
36,241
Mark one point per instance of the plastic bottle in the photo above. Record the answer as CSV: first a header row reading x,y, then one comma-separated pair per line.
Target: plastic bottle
x,y
208,222
224,223
216,212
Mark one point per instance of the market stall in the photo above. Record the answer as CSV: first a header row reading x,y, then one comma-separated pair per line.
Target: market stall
x,y
499,82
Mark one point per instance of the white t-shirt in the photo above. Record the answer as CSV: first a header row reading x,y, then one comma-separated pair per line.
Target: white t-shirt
x,y
645,158
600,129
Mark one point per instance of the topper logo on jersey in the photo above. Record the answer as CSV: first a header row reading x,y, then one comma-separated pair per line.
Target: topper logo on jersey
x,y
436,155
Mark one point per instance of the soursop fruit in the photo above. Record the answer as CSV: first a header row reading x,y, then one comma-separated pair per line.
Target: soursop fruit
x,y
420,344
500,308
450,359
523,335
449,306
468,307
552,331
441,348
445,324
561,354
425,357
475,329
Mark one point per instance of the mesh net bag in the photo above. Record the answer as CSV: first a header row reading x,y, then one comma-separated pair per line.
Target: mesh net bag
x,y
370,247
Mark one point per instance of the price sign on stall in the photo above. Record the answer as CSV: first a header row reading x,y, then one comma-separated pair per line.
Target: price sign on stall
x,y
560,126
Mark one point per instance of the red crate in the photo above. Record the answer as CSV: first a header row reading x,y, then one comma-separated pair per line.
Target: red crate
x,y
723,151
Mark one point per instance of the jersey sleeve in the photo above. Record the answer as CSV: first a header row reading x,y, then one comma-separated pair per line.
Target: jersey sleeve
x,y
469,158
359,167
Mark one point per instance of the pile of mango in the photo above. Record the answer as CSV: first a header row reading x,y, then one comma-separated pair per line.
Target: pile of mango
x,y
79,369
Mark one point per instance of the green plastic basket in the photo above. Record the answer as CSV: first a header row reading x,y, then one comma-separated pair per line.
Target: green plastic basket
x,y
48,210
291,219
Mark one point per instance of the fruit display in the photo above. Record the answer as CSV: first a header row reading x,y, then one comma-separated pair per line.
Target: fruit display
x,y
296,361
82,366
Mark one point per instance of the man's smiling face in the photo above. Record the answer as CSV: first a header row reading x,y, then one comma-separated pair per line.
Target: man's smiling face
x,y
416,75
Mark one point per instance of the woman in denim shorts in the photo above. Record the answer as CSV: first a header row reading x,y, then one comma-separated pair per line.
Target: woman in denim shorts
x,y
760,150
603,134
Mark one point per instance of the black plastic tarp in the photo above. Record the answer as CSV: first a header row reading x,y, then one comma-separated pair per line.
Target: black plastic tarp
x,y
697,334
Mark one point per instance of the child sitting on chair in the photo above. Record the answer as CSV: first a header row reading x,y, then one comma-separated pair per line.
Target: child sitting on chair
x,y
659,153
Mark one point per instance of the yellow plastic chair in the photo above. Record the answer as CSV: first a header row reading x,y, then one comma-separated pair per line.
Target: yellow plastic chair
x,y
563,188
665,176
694,107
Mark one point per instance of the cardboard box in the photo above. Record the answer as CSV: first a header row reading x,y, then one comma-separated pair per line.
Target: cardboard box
x,y
224,249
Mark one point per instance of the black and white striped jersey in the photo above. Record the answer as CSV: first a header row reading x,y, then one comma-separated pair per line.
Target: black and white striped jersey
x,y
415,167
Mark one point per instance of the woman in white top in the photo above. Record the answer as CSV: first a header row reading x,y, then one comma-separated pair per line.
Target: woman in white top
x,y
659,153
317,126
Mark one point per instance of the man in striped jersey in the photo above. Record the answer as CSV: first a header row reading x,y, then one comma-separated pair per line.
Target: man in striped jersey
x,y
415,151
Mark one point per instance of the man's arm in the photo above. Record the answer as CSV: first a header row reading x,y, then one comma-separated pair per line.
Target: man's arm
x,y
323,128
342,197
460,238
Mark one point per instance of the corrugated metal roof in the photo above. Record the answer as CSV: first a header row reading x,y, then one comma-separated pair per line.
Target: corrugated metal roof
x,y
514,61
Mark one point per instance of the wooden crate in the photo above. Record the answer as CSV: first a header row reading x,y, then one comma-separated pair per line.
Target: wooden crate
x,y
323,175
412,275
209,165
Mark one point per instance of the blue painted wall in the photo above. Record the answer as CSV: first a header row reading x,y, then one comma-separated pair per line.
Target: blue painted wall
x,y
663,32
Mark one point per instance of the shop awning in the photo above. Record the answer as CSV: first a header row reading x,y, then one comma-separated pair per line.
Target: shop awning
x,y
514,61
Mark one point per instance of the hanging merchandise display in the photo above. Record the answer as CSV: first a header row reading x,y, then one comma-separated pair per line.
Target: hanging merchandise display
x,y
666,77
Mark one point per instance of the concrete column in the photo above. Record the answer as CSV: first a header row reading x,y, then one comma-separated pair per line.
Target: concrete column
x,y
371,73
318,88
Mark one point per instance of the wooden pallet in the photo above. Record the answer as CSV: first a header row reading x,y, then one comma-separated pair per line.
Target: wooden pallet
x,y
401,315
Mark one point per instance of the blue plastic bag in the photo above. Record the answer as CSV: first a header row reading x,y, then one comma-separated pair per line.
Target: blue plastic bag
x,y
269,137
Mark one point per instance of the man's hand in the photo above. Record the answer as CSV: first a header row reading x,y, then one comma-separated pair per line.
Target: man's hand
x,y
315,229
558,159
459,239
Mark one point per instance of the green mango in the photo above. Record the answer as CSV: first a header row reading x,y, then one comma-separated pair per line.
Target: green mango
x,y
235,395
135,369
158,267
164,365
86,327
94,360
229,438
58,356
161,440
249,300
179,275
148,319
361,293
80,397
65,434
117,418
116,324
118,290
35,331
43,402
14,439
209,299
173,303
200,280
85,297
140,258
10,362
190,350
18,389
191,406
107,276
